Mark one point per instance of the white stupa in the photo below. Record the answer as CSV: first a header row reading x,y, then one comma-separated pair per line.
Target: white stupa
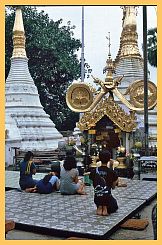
x,y
27,125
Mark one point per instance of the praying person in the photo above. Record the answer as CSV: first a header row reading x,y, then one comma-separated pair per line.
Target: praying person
x,y
104,179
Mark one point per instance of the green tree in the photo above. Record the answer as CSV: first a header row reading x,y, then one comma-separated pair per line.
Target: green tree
x,y
53,63
152,46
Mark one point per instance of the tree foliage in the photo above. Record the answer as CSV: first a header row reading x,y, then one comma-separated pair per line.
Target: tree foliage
x,y
53,63
152,46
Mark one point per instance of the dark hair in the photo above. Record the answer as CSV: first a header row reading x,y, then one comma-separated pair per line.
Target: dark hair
x,y
69,163
104,156
69,153
87,160
47,178
61,157
28,155
55,167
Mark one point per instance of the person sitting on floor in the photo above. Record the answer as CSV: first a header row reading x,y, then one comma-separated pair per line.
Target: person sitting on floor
x,y
56,167
69,182
49,183
27,169
104,179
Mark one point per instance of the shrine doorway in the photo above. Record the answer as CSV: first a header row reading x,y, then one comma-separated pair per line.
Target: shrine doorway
x,y
105,136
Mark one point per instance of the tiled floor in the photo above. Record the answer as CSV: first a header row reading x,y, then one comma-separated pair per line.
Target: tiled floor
x,y
137,189
66,213
12,178
73,214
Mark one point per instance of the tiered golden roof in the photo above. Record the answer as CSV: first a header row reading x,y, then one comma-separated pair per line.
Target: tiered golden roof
x,y
108,107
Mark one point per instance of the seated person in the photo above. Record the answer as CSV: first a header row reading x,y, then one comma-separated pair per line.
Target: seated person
x,y
27,169
69,182
104,179
48,184
56,167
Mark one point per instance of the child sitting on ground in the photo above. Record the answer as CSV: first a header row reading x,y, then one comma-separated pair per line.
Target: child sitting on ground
x,y
49,183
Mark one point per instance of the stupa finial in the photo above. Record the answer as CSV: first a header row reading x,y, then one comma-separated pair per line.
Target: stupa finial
x,y
128,40
129,16
109,44
109,68
18,35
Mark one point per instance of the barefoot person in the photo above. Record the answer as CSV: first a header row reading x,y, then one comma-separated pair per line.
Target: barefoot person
x,y
69,182
104,179
49,183
27,169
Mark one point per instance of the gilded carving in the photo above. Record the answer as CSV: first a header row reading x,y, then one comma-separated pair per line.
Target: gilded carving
x,y
136,91
79,96
108,107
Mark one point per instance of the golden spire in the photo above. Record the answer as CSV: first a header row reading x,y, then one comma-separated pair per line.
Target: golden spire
x,y
129,17
18,35
109,68
128,40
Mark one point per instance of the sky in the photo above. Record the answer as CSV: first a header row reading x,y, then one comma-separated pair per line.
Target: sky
x,y
98,21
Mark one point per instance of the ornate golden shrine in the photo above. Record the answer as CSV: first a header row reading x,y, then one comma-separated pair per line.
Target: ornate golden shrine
x,y
97,104
82,97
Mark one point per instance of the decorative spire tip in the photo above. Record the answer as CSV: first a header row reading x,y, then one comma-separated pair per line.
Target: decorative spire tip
x,y
18,35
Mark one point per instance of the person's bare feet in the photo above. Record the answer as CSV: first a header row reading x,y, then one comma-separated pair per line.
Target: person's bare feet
x,y
81,192
81,189
104,211
28,189
99,210
31,190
